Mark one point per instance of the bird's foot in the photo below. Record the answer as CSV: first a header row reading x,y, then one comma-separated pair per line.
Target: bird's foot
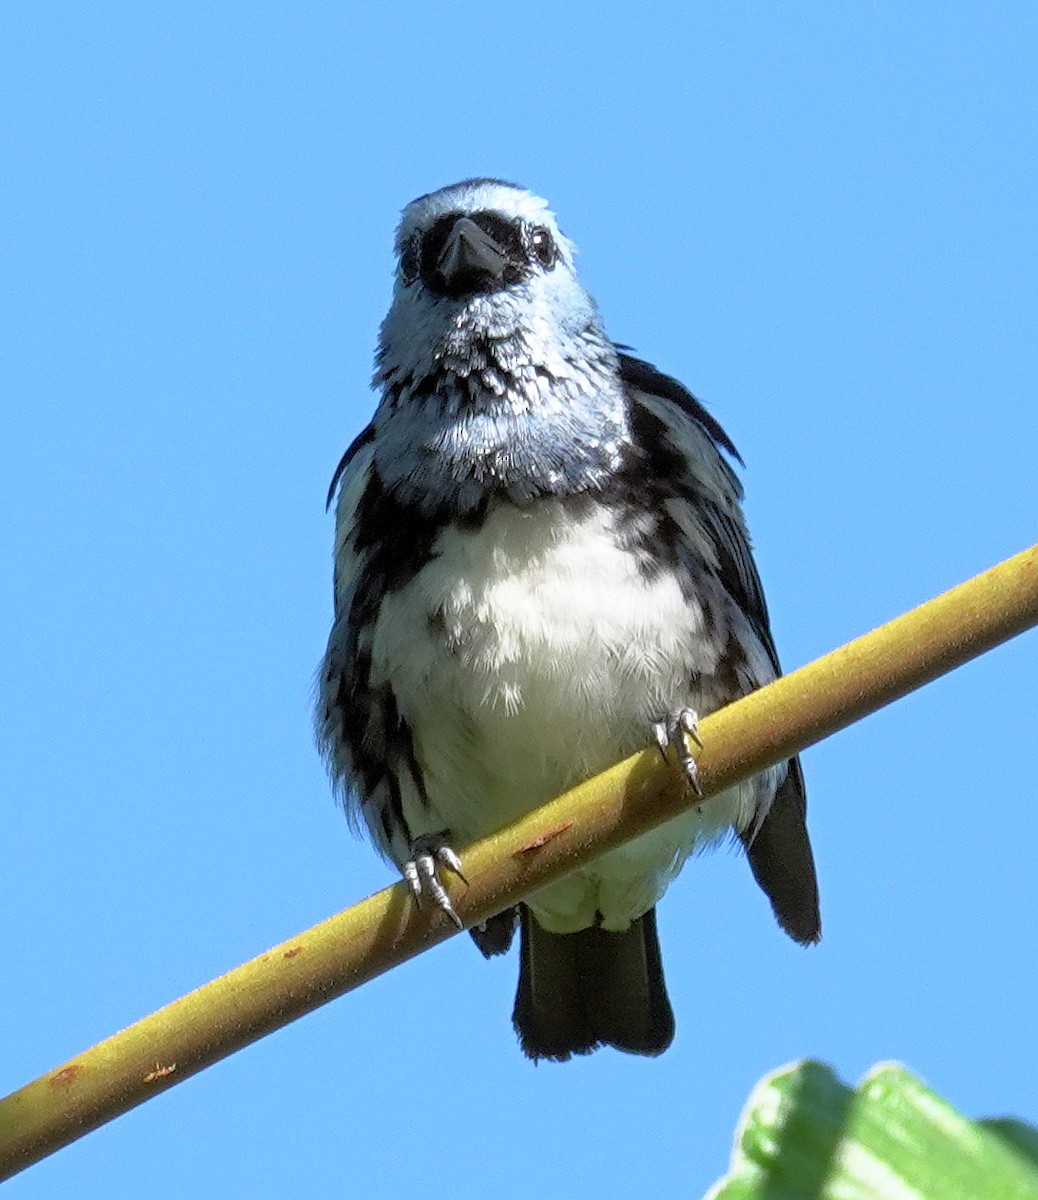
x,y
422,872
673,733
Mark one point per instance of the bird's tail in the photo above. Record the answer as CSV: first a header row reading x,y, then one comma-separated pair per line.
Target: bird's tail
x,y
579,991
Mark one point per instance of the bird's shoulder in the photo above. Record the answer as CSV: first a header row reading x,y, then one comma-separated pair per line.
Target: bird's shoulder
x,y
642,379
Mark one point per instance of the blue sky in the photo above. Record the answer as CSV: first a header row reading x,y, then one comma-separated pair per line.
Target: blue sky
x,y
819,217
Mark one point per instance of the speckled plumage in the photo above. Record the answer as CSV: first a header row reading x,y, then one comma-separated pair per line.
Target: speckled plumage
x,y
540,552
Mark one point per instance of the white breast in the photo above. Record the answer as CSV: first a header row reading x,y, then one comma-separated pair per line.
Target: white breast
x,y
533,652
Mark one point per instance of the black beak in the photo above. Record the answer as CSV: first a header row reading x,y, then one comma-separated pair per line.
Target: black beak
x,y
470,258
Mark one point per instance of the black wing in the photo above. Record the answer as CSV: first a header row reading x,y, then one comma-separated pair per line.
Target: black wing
x,y
362,439
778,849
737,570
639,374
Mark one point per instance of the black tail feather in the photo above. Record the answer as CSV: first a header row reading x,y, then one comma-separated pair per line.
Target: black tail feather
x,y
579,991
782,863
495,935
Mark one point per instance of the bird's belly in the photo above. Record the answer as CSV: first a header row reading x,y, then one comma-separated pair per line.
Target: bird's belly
x,y
532,653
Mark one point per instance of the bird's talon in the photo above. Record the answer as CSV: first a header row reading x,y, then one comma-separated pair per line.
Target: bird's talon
x,y
671,733
690,725
448,908
422,876
413,881
451,861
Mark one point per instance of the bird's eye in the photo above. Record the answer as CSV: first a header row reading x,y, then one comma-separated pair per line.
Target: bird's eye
x,y
543,246
409,263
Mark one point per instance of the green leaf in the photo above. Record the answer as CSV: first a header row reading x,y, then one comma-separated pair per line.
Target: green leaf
x,y
804,1135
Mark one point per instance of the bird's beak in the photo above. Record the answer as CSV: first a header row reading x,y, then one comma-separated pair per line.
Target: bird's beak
x,y
468,252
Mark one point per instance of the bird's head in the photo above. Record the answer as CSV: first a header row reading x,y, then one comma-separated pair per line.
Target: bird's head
x,y
480,238
494,367
481,259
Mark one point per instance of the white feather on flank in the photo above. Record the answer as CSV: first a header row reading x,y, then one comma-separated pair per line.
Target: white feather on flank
x,y
549,658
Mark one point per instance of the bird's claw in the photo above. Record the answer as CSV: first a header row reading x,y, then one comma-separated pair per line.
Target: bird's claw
x,y
671,733
422,873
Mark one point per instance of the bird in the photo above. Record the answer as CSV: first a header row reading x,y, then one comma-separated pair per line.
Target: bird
x,y
542,566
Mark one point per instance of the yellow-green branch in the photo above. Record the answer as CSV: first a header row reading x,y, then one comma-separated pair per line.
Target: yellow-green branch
x,y
386,929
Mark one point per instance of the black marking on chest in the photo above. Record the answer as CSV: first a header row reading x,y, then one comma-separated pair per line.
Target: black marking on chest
x,y
393,542
474,376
